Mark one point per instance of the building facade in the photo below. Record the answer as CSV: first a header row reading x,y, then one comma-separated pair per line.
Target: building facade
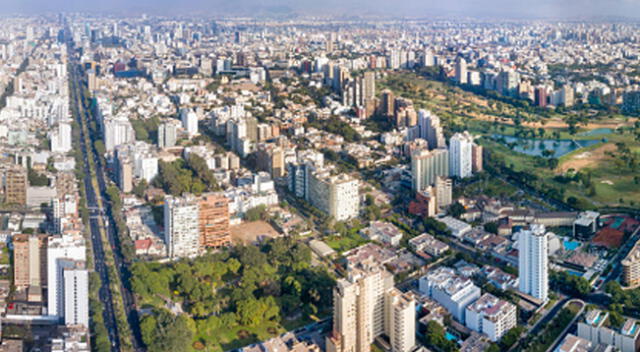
x,y
533,260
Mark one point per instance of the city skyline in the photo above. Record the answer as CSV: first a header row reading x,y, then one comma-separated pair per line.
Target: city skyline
x,y
482,9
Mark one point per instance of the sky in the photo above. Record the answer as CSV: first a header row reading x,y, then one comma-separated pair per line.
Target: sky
x,y
512,9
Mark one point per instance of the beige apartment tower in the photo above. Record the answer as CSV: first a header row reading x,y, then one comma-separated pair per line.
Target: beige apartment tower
x,y
366,306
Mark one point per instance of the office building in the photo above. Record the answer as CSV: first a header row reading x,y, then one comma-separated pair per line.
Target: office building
x,y
533,261
181,226
491,316
76,295
453,292
586,225
461,155
213,221
426,165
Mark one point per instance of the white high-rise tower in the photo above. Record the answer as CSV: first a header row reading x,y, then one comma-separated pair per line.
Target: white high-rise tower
x,y
461,155
534,262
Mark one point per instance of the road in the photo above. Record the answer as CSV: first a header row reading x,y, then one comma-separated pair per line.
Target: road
x,y
105,293
97,201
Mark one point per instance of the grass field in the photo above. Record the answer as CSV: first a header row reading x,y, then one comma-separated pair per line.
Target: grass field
x,y
611,182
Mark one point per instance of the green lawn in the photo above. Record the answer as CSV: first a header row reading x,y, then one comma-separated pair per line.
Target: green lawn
x,y
341,243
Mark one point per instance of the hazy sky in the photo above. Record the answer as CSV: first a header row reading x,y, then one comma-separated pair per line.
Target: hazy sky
x,y
413,8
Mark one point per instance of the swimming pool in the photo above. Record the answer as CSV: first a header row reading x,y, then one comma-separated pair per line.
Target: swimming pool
x,y
570,245
575,273
449,336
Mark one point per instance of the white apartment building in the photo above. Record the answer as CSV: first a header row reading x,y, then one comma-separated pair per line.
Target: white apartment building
x,y
189,121
76,295
60,138
338,196
453,292
167,134
491,316
61,251
181,226
426,166
461,155
534,262
117,131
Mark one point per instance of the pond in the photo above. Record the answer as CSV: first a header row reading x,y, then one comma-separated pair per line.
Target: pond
x,y
536,147
596,132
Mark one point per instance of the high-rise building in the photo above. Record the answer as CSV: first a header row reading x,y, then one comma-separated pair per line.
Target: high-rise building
x,y
189,121
213,221
167,135
338,196
461,70
62,252
270,158
76,295
426,165
567,96
29,261
368,92
540,96
181,222
117,131
15,185
443,189
533,259
491,316
631,266
428,59
476,158
400,320
387,103
124,169
461,155
61,138
429,129
359,309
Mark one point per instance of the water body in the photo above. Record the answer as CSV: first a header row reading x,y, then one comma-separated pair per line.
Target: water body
x,y
596,132
536,147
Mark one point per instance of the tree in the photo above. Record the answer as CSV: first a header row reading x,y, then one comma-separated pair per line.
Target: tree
x,y
456,210
162,331
256,213
491,227
435,337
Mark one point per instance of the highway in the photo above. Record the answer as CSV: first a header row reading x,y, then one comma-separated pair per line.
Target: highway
x,y
97,201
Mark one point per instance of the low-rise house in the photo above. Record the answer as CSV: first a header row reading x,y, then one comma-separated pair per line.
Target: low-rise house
x,y
429,244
